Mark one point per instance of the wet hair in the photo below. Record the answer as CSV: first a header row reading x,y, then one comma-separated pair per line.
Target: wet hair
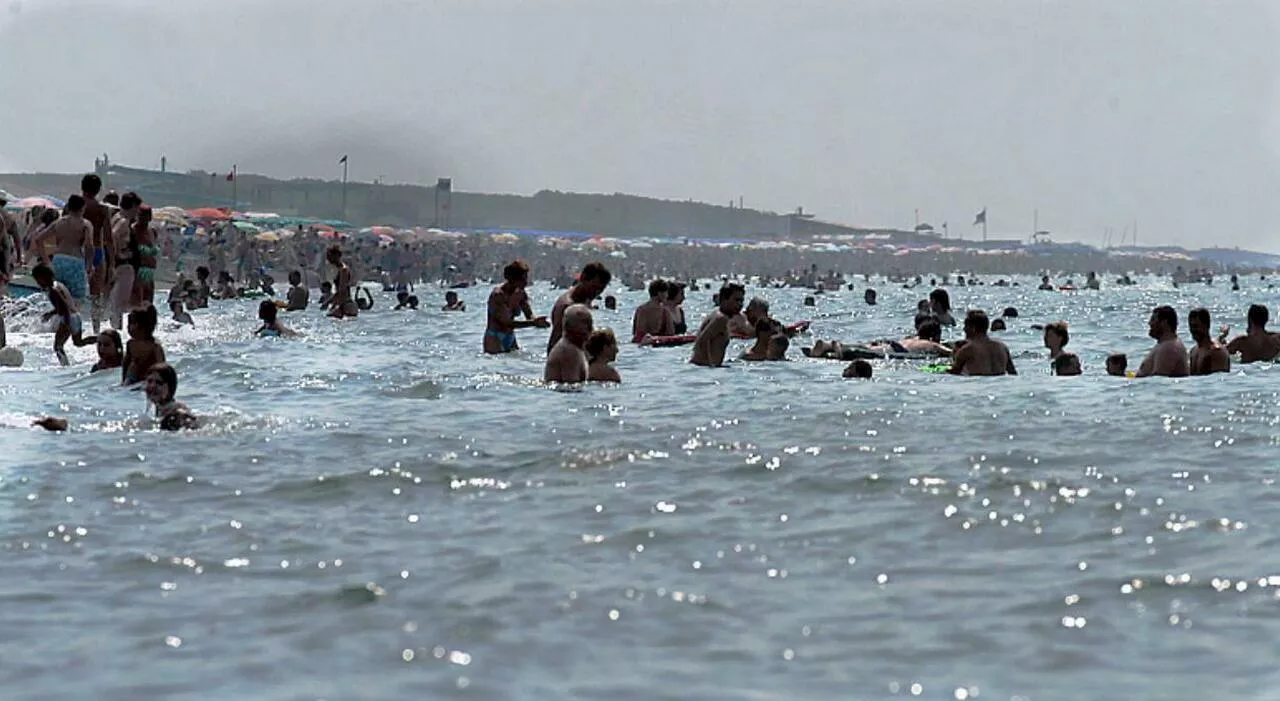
x,y
610,301
599,340
758,303
91,184
112,199
202,272
869,296
42,272
402,297
1258,315
728,289
268,311
922,319
1010,313
977,320
998,325
1166,314
326,286
168,377
596,271
674,290
779,342
129,200
1199,314
930,330
75,204
861,369
942,299
1059,328
515,270
658,288
765,326
1066,364
113,336
295,277
809,301
146,318
451,295
1118,359
49,216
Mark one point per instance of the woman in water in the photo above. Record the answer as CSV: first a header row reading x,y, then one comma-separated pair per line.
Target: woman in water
x,y
341,305
145,253
162,385
602,349
675,305
143,350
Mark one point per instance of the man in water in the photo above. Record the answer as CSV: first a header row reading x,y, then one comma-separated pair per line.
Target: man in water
x,y
1207,357
1169,357
567,361
743,324
1257,344
653,318
73,243
505,302
591,284
103,262
713,338
981,354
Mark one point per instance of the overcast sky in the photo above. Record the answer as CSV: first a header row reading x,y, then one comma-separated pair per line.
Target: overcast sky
x,y
1096,112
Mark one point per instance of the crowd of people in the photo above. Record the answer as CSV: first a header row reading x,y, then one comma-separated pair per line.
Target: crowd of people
x,y
105,254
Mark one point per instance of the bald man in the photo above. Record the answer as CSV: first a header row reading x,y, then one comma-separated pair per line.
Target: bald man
x,y
567,361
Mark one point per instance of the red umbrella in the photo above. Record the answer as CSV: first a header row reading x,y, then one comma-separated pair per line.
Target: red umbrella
x,y
208,213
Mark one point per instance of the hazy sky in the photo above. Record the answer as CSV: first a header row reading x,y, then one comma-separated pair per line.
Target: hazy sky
x,y
1096,112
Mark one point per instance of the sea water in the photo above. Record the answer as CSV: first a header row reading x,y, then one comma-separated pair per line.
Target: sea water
x,y
378,511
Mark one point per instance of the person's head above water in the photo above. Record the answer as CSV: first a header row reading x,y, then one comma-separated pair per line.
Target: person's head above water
x,y
929,330
295,278
611,303
602,343
976,323
940,301
998,325
858,369
1056,335
1258,317
326,286
577,324
142,322
517,273
1066,365
161,383
334,254
675,292
110,345
809,301
1198,323
777,348
1116,364
268,311
43,275
869,296
1010,313
1163,323
658,290
758,308
595,277
731,297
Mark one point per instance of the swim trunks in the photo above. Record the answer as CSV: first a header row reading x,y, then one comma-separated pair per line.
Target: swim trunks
x,y
99,257
69,270
506,338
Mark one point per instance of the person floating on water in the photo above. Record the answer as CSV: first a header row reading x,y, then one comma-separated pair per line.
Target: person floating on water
x,y
981,354
713,338
591,283
602,349
1169,357
653,318
505,301
1257,344
1207,357
567,361
70,325
161,386
143,350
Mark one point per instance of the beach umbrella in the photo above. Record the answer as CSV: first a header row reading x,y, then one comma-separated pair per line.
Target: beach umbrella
x,y
245,227
42,201
208,213
331,234
268,236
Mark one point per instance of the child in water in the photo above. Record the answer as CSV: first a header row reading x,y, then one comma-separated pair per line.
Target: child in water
x,y
602,349
298,295
326,293
269,313
110,351
162,385
180,315
70,325
143,350
452,303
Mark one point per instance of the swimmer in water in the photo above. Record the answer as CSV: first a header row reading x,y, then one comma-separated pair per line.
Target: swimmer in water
x,y
981,355
653,318
161,386
70,325
1117,363
110,351
940,307
404,300
1169,357
766,329
602,349
1257,344
505,301
341,305
743,324
298,295
1056,337
326,294
567,361
858,369
591,283
713,338
675,305
142,351
778,346
452,303
269,314
1067,365
180,315
1207,357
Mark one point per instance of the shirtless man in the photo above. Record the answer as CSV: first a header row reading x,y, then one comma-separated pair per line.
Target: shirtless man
x,y
100,270
743,324
766,329
591,284
567,361
653,318
1169,357
1257,344
981,354
73,241
1207,357
713,337
507,300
